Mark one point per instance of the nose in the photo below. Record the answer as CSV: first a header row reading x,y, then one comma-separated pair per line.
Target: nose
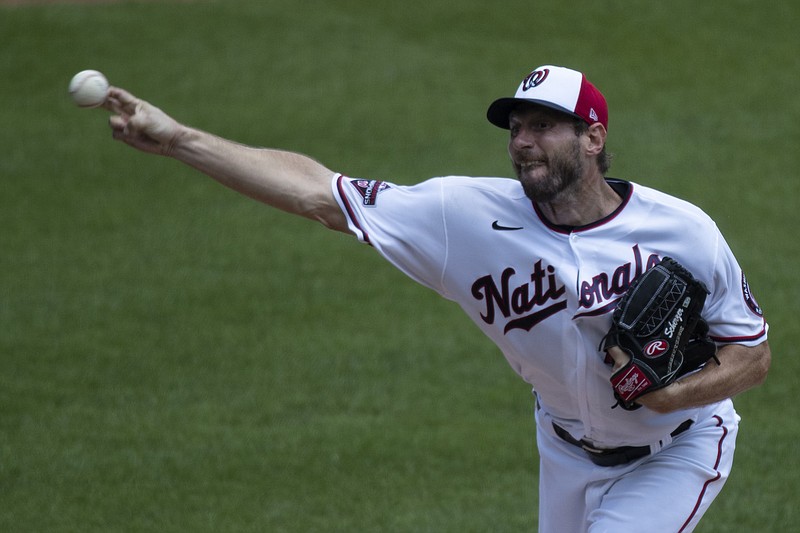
x,y
521,139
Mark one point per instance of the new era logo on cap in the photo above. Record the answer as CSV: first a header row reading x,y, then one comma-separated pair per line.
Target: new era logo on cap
x,y
558,88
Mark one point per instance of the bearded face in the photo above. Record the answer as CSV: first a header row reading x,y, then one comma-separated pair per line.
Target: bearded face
x,y
546,175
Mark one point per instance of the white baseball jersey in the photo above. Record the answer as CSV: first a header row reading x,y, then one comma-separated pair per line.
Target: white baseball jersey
x,y
543,293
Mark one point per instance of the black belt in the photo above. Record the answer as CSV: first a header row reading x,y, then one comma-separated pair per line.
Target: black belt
x,y
613,456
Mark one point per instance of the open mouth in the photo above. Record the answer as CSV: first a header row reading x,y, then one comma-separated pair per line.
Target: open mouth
x,y
526,165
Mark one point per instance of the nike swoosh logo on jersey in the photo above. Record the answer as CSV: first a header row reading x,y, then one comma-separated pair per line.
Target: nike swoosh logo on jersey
x,y
496,226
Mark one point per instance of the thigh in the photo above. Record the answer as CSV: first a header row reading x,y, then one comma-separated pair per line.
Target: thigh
x,y
570,485
563,477
672,489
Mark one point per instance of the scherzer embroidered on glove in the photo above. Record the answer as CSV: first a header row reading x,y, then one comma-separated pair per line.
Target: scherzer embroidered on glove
x,y
658,323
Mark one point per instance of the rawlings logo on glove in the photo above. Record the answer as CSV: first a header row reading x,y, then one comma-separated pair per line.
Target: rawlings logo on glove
x,y
657,323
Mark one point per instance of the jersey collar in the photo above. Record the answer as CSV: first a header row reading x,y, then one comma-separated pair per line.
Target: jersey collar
x,y
621,187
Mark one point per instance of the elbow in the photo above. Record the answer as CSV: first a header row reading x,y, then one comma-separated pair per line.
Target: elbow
x,y
324,209
331,217
763,362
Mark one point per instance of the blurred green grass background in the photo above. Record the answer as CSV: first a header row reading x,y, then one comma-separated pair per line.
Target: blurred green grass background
x,y
179,358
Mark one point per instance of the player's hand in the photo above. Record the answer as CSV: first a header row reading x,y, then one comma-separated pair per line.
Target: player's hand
x,y
140,124
620,357
660,400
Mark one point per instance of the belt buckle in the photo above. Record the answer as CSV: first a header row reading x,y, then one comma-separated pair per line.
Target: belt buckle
x,y
591,449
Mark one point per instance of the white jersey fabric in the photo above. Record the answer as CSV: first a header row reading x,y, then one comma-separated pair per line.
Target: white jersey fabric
x,y
543,293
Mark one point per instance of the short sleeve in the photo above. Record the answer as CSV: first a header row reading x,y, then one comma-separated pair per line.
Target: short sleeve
x,y
405,224
731,310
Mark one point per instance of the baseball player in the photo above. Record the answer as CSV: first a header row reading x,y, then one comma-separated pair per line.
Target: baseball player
x,y
539,263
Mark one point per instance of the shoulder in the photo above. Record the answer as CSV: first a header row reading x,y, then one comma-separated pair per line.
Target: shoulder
x,y
460,192
479,185
448,196
507,187
657,202
457,190
679,229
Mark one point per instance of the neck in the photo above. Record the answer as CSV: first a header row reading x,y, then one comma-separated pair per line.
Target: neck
x,y
590,200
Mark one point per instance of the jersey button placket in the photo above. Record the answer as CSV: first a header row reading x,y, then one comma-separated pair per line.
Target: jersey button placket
x,y
581,365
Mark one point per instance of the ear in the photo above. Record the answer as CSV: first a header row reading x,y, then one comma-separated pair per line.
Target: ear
x,y
595,139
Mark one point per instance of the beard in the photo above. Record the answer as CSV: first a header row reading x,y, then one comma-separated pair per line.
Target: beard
x,y
564,170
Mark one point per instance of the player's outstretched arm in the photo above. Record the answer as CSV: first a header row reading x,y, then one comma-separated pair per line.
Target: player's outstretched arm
x,y
288,181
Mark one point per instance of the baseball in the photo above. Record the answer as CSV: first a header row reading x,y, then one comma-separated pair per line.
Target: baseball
x,y
88,88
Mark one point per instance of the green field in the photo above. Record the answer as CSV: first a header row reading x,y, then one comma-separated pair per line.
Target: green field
x,y
177,358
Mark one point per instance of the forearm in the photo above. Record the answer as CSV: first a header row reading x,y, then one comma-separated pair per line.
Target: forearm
x,y
288,181
292,182
741,368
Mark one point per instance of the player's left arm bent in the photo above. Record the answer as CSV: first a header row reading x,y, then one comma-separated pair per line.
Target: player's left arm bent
x,y
741,368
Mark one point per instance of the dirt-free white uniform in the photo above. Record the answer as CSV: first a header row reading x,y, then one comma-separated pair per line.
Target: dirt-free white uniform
x,y
544,294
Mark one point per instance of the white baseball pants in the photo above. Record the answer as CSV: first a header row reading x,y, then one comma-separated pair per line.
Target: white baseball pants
x,y
667,491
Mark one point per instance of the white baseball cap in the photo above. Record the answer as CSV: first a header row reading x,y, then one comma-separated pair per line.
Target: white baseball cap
x,y
558,88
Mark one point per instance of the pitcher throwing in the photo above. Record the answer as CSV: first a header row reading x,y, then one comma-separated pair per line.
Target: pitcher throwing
x,y
539,263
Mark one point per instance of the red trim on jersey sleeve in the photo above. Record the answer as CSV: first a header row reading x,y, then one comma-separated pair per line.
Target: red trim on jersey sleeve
x,y
349,211
729,340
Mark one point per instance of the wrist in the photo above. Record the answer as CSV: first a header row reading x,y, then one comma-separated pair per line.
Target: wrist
x,y
169,148
664,400
180,137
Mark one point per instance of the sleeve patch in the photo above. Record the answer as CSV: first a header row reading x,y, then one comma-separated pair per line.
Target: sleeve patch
x,y
369,190
749,299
